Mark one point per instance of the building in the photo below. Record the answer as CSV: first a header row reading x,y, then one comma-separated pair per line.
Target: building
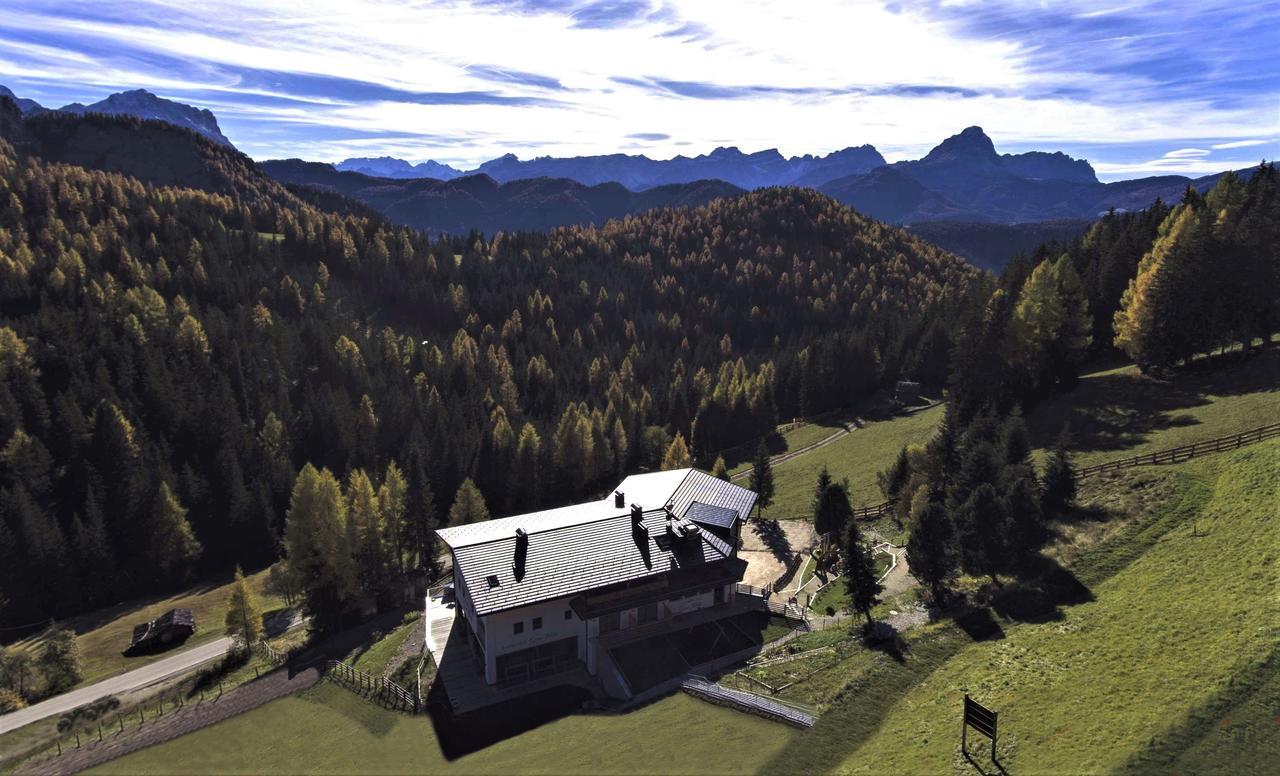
x,y
549,591
174,626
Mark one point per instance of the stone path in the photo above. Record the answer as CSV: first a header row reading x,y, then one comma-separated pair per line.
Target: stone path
x,y
270,687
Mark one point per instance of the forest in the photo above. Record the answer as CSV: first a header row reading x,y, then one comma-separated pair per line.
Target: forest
x,y
172,357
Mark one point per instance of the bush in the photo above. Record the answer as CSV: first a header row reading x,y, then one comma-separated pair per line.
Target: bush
x,y
10,701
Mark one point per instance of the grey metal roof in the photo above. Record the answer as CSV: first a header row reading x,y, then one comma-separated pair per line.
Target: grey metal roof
x,y
572,559
703,488
710,514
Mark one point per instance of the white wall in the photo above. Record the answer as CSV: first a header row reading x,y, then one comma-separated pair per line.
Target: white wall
x,y
692,603
500,631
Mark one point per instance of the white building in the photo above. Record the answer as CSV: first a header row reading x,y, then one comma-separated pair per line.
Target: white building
x,y
548,591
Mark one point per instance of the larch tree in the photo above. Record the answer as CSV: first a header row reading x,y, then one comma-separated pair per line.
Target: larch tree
x,y
468,505
393,502
316,542
719,469
677,455
244,614
174,547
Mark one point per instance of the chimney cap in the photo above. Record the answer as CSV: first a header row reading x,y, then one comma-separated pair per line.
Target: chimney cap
x,y
520,532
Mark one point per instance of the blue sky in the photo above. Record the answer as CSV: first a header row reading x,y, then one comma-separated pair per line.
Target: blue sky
x,y
1137,88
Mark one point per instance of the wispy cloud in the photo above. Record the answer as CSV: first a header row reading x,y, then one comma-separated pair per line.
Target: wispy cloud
x,y
1144,83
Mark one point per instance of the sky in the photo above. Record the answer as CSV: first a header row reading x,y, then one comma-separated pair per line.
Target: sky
x,y
1136,88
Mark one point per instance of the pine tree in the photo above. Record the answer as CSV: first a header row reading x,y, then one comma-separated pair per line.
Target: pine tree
x,y
983,533
860,580
1027,533
677,455
1059,478
719,469
833,513
819,491
762,477
173,543
931,550
244,615
468,505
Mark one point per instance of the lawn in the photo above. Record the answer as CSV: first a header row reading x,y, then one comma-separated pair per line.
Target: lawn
x,y
374,658
329,730
739,458
857,457
1118,412
1170,649
104,634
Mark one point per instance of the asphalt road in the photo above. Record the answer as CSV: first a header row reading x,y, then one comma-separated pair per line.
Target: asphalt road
x,y
139,677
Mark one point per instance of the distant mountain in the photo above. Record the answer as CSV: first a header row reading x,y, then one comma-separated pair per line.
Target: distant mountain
x,y
637,172
24,105
142,104
479,202
965,179
390,167
151,150
992,246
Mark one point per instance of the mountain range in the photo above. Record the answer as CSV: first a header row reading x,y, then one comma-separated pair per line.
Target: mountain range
x,y
479,202
138,103
962,181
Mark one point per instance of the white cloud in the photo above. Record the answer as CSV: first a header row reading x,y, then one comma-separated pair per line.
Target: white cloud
x,y
1186,153
1240,144
860,54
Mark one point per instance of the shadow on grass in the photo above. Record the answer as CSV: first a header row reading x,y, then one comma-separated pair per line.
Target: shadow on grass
x,y
463,734
1114,412
1235,730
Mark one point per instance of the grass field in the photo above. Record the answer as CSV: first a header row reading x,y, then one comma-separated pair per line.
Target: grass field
x,y
103,634
739,458
1171,649
857,457
374,658
329,730
1118,412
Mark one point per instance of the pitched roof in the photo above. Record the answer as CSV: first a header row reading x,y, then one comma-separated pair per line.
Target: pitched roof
x,y
587,546
710,514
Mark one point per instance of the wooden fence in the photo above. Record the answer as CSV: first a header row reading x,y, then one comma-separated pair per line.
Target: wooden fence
x,y
381,688
1186,452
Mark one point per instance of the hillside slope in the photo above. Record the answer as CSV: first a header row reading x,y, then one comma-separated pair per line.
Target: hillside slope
x,y
459,205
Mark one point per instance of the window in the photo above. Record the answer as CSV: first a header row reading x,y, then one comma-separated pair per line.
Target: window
x,y
518,628
568,614
537,623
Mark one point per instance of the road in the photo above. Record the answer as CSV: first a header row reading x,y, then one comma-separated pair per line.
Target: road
x,y
131,680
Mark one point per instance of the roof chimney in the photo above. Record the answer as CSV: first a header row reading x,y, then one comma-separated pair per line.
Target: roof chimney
x,y
637,513
522,553
619,500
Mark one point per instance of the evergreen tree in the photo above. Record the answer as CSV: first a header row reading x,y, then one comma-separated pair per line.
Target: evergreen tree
x,y
720,470
366,533
1027,533
174,547
677,455
15,670
860,572
1059,477
833,513
762,477
244,615
893,479
819,491
983,533
931,550
468,505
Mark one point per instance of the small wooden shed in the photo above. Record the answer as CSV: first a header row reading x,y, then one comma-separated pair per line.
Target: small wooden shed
x,y
173,626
